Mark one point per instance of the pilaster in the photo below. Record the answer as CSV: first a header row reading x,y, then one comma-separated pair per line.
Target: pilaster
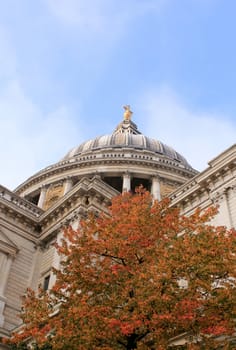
x,y
126,182
155,189
221,198
5,264
68,185
42,196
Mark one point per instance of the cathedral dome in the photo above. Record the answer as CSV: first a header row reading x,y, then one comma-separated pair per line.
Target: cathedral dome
x,y
126,136
126,140
124,154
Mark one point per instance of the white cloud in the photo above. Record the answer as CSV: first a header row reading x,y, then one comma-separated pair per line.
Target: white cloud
x,y
31,139
82,13
101,16
7,57
198,136
97,28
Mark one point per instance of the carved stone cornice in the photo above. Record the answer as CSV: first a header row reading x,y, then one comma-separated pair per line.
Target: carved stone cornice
x,y
109,157
220,174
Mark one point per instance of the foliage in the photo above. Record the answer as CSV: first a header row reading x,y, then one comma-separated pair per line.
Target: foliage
x,y
24,346
138,279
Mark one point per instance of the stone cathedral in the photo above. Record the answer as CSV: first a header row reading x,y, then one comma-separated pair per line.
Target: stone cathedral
x,y
33,216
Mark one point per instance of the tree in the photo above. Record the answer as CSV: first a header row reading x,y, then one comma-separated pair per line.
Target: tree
x,y
136,279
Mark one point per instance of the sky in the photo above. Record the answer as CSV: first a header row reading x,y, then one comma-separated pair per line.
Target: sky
x,y
68,66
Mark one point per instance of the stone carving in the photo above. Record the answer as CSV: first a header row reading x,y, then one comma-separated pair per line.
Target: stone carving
x,y
53,194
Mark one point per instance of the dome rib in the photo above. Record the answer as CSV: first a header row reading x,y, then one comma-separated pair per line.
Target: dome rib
x,y
126,140
127,135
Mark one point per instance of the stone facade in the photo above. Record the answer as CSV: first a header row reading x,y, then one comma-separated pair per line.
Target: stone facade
x,y
214,186
32,217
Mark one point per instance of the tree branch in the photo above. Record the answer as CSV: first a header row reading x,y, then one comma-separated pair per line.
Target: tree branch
x,y
116,258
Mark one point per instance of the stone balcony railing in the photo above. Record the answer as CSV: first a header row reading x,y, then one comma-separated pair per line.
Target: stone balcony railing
x,y
10,197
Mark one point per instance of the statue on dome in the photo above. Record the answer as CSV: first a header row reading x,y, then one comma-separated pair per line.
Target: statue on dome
x,y
128,113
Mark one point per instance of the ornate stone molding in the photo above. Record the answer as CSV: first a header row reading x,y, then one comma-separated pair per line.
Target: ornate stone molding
x,y
218,196
99,158
15,200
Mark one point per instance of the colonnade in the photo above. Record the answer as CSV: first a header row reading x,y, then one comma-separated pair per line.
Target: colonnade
x,y
126,187
155,185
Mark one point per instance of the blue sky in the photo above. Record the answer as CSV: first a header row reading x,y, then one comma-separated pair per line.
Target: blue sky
x,y
68,66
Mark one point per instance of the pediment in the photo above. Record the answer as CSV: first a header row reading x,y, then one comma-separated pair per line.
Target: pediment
x,y
97,185
7,245
87,195
87,188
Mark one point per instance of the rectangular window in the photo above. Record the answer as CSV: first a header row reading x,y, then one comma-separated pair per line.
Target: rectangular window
x,y
46,282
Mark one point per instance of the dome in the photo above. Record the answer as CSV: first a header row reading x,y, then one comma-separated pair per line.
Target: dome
x,y
126,135
124,153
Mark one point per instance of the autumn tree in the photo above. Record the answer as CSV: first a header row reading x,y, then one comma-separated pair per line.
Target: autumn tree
x,y
137,279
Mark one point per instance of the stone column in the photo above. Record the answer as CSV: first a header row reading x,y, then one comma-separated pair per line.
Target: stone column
x,y
221,198
126,182
5,264
68,185
42,196
55,261
35,268
155,189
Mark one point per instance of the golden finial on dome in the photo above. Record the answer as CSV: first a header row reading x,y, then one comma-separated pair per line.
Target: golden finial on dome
x,y
128,113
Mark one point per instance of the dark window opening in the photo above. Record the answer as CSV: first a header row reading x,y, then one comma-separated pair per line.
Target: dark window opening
x,y
46,282
34,199
136,182
115,182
